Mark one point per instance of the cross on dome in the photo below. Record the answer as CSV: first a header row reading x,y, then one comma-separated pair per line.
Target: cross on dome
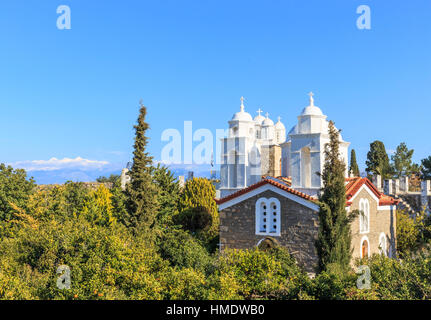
x,y
311,94
279,118
242,103
259,111
267,115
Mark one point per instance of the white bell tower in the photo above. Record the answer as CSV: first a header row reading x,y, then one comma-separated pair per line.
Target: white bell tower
x,y
303,153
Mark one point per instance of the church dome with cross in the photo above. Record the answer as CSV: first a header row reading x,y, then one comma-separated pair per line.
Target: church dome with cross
x,y
242,115
311,110
267,122
303,153
259,118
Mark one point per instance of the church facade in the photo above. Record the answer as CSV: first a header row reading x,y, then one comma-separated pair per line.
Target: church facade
x,y
256,206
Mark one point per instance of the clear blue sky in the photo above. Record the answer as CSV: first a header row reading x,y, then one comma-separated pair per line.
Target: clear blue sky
x,y
74,93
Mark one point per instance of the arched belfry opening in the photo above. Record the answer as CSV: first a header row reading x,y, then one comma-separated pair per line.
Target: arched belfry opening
x,y
233,168
305,167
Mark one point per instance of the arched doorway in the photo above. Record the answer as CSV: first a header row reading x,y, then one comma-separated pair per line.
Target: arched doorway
x,y
364,249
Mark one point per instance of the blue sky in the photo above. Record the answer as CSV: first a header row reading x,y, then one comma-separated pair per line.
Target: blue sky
x,y
75,93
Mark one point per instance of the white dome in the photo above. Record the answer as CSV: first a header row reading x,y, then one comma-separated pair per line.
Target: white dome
x,y
267,122
279,125
242,116
311,111
259,119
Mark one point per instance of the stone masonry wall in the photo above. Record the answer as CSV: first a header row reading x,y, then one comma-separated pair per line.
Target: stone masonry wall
x,y
299,226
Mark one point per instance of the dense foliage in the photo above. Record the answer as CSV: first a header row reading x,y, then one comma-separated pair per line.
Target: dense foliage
x,y
158,240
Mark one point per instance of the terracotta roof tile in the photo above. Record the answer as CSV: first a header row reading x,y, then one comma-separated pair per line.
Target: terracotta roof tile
x,y
352,187
354,184
266,180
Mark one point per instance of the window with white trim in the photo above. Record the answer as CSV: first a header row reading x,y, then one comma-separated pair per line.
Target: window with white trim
x,y
382,244
364,216
268,216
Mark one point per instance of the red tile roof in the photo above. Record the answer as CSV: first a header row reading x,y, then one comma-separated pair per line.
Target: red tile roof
x,y
352,187
354,184
262,182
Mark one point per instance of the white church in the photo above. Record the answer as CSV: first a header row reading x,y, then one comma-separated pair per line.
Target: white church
x,y
257,147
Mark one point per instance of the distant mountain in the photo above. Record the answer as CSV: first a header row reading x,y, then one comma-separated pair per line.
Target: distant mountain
x,y
199,170
63,175
85,175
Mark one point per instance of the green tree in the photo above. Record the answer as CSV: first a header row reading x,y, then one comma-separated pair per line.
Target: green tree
x,y
168,195
334,237
183,250
402,161
354,168
426,168
98,207
15,189
112,179
75,194
378,160
200,193
141,191
407,233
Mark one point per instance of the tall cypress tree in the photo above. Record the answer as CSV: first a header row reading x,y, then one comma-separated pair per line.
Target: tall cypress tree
x,y
354,168
141,191
334,237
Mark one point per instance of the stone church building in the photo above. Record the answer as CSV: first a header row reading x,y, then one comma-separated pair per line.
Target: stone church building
x,y
257,205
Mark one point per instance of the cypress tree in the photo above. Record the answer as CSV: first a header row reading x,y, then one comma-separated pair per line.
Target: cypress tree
x,y
141,192
354,168
334,237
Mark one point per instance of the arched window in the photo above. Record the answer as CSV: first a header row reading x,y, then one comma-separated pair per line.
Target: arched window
x,y
257,134
234,131
382,244
364,216
268,216
365,245
305,168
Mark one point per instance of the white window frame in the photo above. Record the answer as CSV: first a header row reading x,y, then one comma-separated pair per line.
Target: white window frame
x,y
259,216
383,250
364,207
